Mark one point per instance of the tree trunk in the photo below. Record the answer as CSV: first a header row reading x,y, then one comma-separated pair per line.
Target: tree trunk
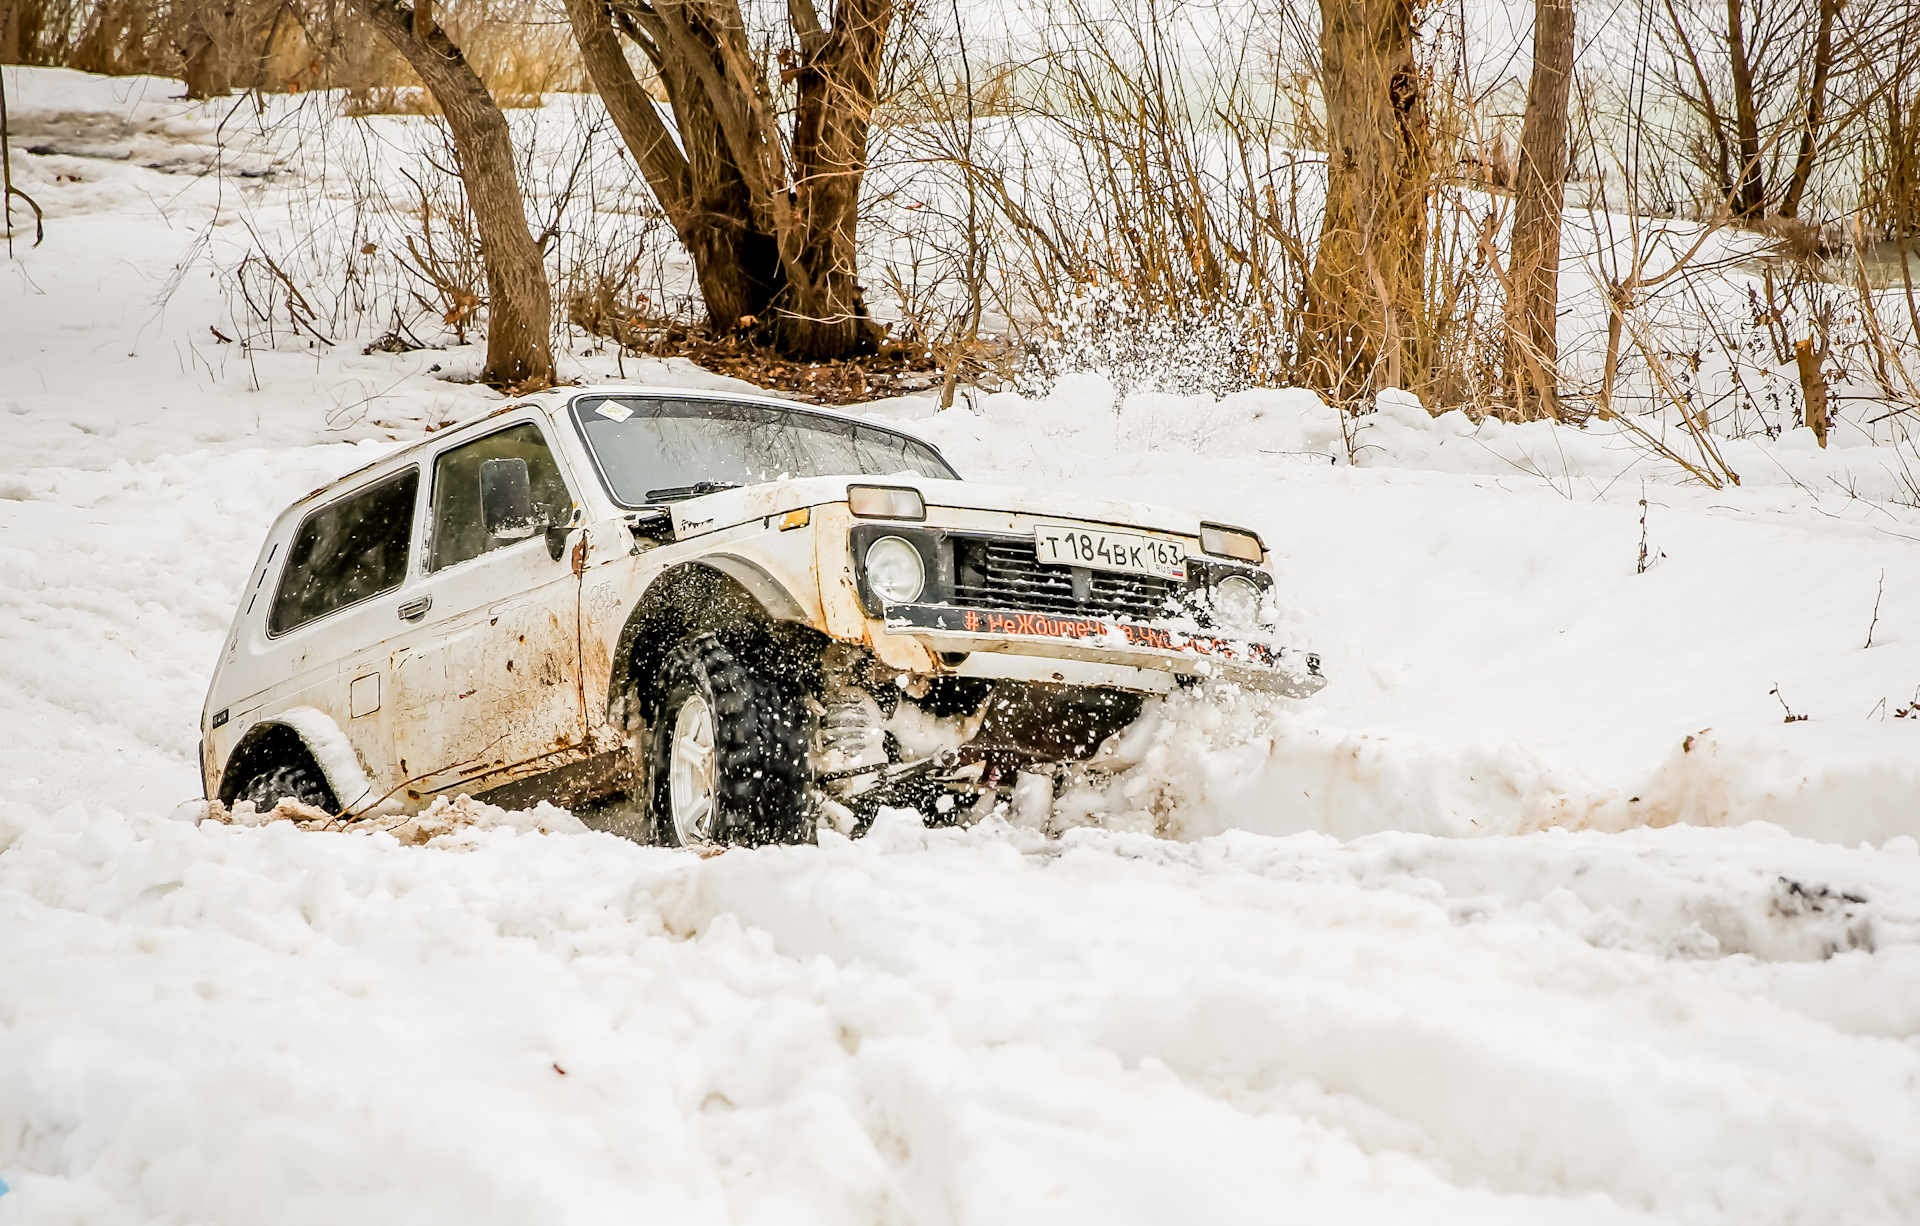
x,y
737,268
1813,387
771,225
1365,294
10,31
1816,104
208,50
1715,125
1533,293
1750,191
519,307
826,313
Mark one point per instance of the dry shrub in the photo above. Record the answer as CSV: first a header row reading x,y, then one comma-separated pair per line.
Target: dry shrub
x,y
367,100
1148,187
1108,199
1756,321
521,48
600,306
44,31
403,257
372,243
1469,217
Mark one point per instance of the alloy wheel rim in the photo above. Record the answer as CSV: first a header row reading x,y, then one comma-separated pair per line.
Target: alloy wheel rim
x,y
690,772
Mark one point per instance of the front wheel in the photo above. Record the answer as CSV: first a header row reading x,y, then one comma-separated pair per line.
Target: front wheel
x,y
727,751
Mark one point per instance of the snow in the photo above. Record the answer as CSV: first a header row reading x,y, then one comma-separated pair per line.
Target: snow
x,y
957,1026
1500,663
1540,912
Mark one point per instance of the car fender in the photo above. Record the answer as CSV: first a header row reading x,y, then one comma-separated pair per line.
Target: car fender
x,y
772,594
631,632
332,752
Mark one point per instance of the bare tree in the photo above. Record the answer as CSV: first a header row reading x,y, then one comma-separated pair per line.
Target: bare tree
x,y
206,46
1761,76
770,217
1533,280
697,185
1816,105
519,304
40,31
10,32
1749,192
1365,295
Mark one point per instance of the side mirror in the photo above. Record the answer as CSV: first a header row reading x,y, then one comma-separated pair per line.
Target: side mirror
x,y
506,500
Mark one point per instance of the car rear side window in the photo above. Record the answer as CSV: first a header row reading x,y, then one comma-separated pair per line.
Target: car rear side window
x,y
347,551
459,530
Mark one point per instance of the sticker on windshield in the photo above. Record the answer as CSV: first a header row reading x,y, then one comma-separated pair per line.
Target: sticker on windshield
x,y
613,409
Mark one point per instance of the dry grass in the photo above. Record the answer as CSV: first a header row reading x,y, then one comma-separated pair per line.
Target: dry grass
x,y
897,370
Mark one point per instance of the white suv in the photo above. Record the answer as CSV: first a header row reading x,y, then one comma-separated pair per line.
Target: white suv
x,y
744,614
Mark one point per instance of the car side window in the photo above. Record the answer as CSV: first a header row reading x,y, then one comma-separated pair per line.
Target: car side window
x,y
348,551
459,529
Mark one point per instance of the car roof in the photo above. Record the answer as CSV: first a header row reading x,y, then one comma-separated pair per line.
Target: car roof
x,y
557,397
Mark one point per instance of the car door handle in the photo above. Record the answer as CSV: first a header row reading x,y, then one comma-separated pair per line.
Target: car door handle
x,y
415,609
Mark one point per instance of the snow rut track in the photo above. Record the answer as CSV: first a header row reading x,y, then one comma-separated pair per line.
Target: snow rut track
x,y
955,1026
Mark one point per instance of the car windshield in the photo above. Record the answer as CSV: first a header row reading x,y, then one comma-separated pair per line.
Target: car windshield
x,y
655,449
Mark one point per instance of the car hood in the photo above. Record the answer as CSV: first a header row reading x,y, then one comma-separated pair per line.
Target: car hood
x,y
726,508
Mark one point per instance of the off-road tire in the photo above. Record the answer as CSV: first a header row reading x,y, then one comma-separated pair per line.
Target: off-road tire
x,y
301,780
763,785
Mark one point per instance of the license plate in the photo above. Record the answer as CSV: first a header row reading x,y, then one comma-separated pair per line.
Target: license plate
x,y
1105,549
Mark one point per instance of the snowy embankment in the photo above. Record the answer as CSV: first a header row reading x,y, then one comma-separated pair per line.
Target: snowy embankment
x,y
1320,998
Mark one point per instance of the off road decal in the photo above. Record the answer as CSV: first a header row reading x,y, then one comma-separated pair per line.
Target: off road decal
x,y
1000,623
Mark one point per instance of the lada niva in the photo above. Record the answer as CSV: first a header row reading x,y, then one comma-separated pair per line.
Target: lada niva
x,y
745,616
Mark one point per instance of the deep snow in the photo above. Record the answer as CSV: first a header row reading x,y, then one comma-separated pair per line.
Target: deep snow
x,y
1427,947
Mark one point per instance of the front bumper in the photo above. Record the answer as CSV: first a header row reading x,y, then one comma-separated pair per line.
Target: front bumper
x,y
1138,655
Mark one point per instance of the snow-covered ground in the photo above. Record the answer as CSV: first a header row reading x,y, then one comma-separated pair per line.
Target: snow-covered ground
x,y
1541,912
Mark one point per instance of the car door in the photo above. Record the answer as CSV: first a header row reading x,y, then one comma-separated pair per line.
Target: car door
x,y
486,677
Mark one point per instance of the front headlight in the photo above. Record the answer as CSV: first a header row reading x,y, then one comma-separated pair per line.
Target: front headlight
x,y
1236,603
894,571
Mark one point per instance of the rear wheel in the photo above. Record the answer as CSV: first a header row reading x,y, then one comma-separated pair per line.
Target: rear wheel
x,y
301,781
727,751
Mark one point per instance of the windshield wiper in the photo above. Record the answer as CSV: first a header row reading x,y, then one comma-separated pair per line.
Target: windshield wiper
x,y
690,491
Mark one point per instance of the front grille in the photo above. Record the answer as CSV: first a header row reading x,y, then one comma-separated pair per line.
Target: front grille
x,y
1008,573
